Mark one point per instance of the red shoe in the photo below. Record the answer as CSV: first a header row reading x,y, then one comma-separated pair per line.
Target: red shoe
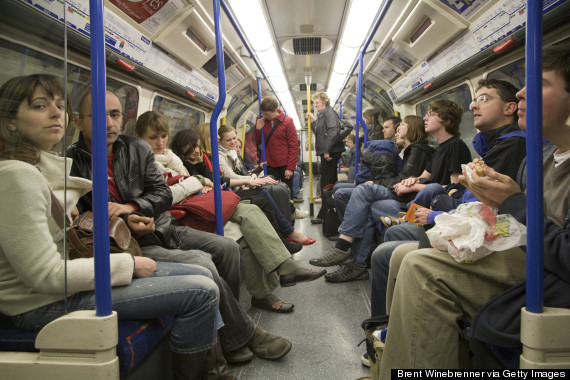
x,y
307,241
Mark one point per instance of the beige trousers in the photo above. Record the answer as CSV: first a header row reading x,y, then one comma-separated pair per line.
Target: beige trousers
x,y
431,294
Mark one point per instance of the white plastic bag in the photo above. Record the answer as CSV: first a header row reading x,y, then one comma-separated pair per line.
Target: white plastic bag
x,y
475,231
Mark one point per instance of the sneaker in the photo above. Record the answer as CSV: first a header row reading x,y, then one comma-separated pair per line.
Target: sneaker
x,y
298,200
317,200
347,272
389,221
364,360
301,214
334,256
268,346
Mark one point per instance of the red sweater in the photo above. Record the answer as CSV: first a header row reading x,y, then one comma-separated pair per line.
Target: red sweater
x,y
283,148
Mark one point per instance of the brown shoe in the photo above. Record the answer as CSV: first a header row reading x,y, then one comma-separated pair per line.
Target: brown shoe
x,y
241,355
216,367
300,275
268,346
273,304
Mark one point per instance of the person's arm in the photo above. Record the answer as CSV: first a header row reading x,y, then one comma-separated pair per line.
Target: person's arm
x,y
259,124
228,171
38,263
156,196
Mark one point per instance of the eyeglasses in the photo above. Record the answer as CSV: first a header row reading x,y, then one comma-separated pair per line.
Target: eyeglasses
x,y
481,99
115,115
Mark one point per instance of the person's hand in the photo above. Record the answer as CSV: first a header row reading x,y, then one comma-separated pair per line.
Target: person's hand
x,y
492,190
410,181
144,267
259,124
402,189
117,209
288,173
310,117
74,213
208,182
368,182
267,180
421,215
140,225
327,157
206,189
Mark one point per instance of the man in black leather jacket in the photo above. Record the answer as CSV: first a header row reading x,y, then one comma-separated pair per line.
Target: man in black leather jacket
x,y
139,194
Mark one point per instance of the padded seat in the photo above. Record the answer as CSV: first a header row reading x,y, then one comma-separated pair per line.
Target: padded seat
x,y
136,339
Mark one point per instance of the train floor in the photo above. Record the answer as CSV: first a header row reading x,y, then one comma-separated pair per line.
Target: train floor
x,y
324,326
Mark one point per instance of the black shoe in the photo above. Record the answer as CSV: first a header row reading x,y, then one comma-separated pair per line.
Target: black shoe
x,y
292,247
316,221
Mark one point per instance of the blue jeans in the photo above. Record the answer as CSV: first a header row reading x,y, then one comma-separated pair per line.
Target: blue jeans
x,y
221,256
297,182
367,204
394,237
427,194
342,192
185,291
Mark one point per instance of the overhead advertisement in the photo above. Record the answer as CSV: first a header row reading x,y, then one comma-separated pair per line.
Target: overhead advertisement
x,y
150,14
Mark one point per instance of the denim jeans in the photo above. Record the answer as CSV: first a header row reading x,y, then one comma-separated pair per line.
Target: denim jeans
x,y
427,194
222,257
185,291
380,262
297,182
367,204
342,192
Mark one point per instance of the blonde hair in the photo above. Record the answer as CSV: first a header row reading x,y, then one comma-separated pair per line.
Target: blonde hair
x,y
203,130
323,97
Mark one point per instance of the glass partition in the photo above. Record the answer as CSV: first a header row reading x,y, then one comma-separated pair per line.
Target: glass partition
x,y
179,116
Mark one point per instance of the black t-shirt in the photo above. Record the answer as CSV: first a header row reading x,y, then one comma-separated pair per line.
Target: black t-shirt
x,y
447,159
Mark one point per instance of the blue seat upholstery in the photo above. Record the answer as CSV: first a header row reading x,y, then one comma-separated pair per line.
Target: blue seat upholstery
x,y
136,339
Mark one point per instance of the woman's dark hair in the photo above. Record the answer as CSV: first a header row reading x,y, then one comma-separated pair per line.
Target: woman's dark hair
x,y
12,94
181,141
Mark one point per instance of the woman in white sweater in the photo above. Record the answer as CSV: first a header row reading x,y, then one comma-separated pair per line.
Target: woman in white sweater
x,y
32,270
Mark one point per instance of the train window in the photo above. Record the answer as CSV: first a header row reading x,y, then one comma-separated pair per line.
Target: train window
x,y
179,116
462,96
379,99
513,73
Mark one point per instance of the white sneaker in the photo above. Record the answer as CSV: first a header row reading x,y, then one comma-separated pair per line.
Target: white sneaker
x,y
364,360
301,214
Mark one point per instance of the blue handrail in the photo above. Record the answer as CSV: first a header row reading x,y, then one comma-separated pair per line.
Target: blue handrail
x,y
534,197
340,117
99,150
263,159
214,119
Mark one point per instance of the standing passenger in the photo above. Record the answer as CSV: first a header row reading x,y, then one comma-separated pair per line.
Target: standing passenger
x,y
327,143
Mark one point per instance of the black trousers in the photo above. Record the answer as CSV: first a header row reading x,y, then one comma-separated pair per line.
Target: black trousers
x,y
329,174
279,173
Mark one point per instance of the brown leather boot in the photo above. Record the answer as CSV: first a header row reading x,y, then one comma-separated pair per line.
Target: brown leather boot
x,y
188,366
216,367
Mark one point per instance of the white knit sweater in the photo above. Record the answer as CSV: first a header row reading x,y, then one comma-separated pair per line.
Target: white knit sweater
x,y
31,244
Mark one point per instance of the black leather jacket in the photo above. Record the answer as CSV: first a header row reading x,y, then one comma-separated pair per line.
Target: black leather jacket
x,y
139,181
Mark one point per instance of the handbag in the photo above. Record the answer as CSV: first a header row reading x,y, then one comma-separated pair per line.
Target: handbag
x,y
80,233
200,210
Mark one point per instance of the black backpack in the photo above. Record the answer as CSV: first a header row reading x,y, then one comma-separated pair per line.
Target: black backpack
x,y
331,221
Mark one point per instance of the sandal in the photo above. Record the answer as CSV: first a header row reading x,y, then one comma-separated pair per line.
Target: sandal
x,y
273,304
389,221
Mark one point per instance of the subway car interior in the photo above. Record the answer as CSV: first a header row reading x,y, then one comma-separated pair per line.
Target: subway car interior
x,y
198,65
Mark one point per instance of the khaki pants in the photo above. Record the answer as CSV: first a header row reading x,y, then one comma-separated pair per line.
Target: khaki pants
x,y
262,250
431,294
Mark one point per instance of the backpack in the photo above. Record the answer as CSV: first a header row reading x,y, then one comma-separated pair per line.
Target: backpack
x,y
331,221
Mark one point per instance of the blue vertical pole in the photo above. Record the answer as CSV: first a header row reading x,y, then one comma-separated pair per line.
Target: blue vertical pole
x,y
534,197
99,151
340,117
214,119
262,130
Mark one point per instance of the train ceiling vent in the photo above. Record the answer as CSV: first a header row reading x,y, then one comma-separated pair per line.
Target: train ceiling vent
x,y
307,45
303,88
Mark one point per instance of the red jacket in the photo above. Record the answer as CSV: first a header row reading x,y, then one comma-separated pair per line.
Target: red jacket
x,y
283,148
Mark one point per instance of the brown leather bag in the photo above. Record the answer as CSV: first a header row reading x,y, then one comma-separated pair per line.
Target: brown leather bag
x,y
80,233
